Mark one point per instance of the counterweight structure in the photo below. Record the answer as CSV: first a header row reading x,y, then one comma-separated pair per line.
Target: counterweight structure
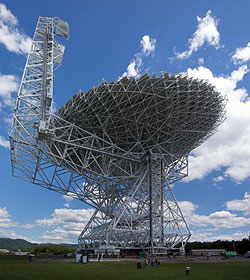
x,y
117,147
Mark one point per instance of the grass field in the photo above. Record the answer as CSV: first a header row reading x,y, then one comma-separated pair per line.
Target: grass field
x,y
19,268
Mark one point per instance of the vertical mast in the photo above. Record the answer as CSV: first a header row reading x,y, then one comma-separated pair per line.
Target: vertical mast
x,y
35,97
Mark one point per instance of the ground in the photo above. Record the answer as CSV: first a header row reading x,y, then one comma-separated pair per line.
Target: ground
x,y
19,268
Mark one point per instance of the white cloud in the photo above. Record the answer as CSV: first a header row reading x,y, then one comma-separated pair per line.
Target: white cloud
x,y
240,205
216,220
211,236
134,67
6,222
4,218
65,224
230,146
68,200
242,54
148,45
8,85
10,35
206,32
4,143
6,15
12,234
218,179
187,207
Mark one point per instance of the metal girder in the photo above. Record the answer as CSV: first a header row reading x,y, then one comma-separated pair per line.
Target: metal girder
x,y
117,147
147,217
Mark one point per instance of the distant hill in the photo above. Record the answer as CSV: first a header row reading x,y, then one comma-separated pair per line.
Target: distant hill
x,y
21,244
14,244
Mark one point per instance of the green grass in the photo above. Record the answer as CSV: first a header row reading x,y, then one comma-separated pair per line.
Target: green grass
x,y
19,268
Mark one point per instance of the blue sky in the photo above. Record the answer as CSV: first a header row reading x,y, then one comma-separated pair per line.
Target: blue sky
x,y
108,39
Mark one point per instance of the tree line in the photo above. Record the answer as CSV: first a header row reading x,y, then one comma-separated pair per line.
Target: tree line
x,y
241,247
52,250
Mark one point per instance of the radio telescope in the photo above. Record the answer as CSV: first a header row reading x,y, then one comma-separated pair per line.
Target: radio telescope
x,y
117,147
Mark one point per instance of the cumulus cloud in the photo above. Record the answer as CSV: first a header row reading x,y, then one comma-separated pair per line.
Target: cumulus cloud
x,y
8,85
230,146
148,45
6,15
65,225
242,55
211,236
206,32
10,34
134,67
216,220
219,179
12,234
6,222
187,207
4,143
4,218
240,205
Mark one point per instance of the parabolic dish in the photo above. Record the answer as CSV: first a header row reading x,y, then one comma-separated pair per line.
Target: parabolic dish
x,y
169,114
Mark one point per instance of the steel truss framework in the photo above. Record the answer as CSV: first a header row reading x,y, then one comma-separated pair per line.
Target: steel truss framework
x,y
117,147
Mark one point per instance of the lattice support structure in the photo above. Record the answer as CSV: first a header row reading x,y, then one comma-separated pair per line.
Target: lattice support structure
x,y
117,147
148,217
35,99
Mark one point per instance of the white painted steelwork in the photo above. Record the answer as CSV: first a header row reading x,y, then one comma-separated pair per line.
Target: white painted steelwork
x,y
117,147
